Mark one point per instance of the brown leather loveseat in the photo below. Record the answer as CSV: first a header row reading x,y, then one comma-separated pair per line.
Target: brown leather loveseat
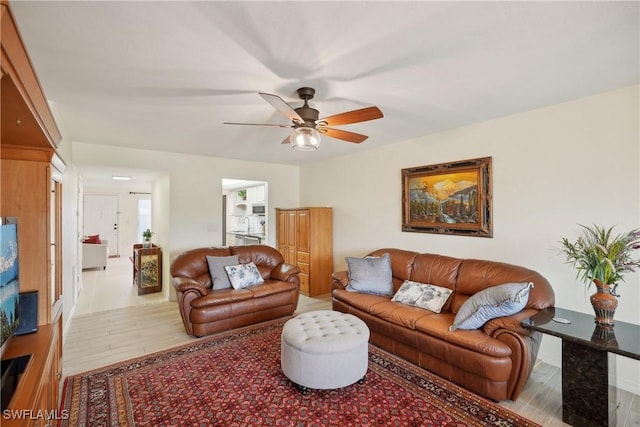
x,y
494,361
205,310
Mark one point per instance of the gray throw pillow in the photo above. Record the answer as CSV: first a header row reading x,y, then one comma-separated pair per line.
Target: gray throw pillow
x,y
371,275
496,301
219,277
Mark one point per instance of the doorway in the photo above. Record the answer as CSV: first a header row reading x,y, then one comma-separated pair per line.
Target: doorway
x,y
101,217
245,212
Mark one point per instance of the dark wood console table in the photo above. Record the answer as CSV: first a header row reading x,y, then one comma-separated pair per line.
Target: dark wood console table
x,y
587,362
147,268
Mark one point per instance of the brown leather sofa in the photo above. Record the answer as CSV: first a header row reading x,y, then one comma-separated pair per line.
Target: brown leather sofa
x,y
494,361
205,310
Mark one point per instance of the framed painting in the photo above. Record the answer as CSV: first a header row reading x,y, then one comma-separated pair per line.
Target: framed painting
x,y
448,198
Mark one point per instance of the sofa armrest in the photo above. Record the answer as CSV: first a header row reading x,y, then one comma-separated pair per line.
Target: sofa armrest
x,y
524,344
511,323
95,255
284,272
340,280
184,284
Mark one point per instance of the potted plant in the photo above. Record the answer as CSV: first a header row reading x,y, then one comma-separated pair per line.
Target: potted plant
x,y
146,236
602,258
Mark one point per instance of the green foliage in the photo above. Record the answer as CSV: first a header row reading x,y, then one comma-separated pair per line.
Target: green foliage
x,y
146,234
598,254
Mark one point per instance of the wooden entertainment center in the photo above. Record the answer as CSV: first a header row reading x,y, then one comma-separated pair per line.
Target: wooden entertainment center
x,y
31,190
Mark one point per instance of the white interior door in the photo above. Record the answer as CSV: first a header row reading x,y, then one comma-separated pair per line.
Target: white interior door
x,y
101,217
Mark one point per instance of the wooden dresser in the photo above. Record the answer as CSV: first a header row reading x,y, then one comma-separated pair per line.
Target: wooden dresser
x,y
304,237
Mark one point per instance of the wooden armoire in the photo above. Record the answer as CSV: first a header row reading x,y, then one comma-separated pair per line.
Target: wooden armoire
x,y
31,191
304,237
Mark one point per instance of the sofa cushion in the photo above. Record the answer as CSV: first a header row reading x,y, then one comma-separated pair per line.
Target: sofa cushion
x,y
221,296
429,297
244,275
230,295
371,275
359,300
270,287
496,301
475,340
219,277
439,270
475,275
400,314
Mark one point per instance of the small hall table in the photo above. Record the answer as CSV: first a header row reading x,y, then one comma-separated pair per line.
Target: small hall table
x,y
587,362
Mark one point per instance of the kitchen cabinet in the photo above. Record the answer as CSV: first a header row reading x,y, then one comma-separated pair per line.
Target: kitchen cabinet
x,y
241,238
304,237
256,194
252,240
31,190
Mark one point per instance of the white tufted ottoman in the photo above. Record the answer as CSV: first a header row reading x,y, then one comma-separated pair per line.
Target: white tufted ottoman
x,y
324,349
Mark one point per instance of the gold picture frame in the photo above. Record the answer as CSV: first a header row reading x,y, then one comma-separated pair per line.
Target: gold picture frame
x,y
448,198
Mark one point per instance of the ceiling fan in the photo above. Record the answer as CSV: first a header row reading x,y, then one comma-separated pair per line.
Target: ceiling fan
x,y
306,125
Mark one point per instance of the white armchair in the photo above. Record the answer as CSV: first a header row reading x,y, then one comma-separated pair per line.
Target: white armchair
x,y
95,255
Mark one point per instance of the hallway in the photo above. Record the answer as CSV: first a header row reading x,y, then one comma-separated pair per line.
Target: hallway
x,y
112,288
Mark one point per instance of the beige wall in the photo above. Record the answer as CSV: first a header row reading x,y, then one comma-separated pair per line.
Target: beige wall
x,y
161,223
71,268
187,204
555,167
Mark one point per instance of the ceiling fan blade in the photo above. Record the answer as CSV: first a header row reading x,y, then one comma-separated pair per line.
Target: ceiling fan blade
x,y
355,116
279,104
287,140
343,135
258,124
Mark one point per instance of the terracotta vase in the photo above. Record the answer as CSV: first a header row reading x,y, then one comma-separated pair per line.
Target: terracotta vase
x,y
604,304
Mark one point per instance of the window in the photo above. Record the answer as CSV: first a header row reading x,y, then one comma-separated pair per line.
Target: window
x,y
144,216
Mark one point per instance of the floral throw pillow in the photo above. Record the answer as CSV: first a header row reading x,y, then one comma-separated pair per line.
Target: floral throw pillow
x,y
422,295
243,275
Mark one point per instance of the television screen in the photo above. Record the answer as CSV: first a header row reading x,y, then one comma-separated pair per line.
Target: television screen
x,y
9,284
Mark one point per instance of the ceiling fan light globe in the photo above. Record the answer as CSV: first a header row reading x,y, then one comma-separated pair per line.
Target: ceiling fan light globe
x,y
304,139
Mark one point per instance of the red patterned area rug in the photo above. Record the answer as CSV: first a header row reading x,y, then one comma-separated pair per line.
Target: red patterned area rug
x,y
234,379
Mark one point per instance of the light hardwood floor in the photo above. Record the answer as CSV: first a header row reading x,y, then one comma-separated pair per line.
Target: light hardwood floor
x,y
112,323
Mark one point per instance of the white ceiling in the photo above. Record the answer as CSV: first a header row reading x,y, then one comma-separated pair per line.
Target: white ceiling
x,y
101,178
165,75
